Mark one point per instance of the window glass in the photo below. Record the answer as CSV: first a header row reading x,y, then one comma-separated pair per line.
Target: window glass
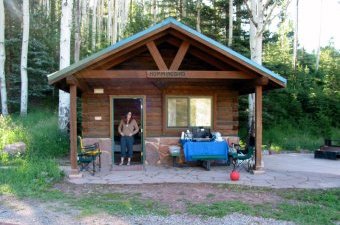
x,y
177,112
200,112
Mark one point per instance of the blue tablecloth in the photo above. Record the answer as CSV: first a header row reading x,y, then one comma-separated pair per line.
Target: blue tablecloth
x,y
204,148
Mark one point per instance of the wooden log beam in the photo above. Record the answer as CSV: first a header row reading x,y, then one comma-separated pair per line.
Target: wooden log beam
x,y
201,55
258,127
73,128
180,55
157,57
143,74
71,80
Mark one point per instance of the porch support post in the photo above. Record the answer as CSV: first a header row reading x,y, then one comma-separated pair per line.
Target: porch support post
x,y
73,128
258,127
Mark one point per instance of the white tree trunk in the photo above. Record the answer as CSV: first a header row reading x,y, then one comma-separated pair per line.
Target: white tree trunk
x,y
99,22
154,11
231,18
110,4
184,8
3,90
198,16
94,25
256,36
24,51
115,23
123,16
77,38
296,30
65,48
319,40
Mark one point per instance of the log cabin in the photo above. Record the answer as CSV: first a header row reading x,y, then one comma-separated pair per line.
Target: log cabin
x,y
171,78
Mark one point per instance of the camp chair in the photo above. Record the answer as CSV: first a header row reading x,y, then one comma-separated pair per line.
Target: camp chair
x,y
243,157
88,154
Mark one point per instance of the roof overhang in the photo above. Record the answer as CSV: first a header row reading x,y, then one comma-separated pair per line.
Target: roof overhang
x,y
59,78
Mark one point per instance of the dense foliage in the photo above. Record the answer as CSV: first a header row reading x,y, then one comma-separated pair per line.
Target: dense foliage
x,y
309,105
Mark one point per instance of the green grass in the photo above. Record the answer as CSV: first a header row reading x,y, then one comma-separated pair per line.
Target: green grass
x,y
29,177
117,204
31,173
300,206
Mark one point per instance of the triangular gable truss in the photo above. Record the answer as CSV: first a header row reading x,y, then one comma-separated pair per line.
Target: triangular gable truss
x,y
187,40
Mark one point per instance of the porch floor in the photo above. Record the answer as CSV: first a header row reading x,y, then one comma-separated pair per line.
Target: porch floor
x,y
281,171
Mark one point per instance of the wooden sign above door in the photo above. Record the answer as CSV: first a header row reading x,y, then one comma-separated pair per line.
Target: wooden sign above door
x,y
166,74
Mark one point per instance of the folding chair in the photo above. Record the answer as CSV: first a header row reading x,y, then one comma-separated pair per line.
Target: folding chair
x,y
243,157
88,154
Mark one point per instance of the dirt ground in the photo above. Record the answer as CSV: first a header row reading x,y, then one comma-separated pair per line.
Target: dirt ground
x,y
31,211
176,195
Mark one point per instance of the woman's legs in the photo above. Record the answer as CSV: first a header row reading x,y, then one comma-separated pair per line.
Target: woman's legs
x,y
123,146
129,145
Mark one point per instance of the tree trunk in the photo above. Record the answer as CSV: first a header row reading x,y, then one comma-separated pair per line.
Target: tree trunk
x,y
319,40
65,48
94,25
4,109
24,51
296,24
231,20
110,7
99,22
256,36
154,11
198,17
183,10
77,39
115,22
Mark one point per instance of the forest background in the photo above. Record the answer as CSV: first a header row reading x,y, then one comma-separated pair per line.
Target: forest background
x,y
297,117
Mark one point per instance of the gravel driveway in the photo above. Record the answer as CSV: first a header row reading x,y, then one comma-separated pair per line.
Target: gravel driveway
x,y
16,211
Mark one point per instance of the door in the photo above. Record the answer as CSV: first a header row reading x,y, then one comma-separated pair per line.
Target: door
x,y
120,107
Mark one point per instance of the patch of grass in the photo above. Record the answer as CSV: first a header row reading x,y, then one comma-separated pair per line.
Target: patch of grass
x,y
32,173
117,204
30,177
287,136
210,195
300,206
219,209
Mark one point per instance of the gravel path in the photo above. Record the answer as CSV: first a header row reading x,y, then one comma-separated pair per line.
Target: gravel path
x,y
28,212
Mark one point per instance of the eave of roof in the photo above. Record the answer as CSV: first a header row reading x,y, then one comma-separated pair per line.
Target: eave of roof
x,y
54,77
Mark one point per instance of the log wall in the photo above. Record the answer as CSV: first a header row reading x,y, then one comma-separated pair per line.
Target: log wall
x,y
225,108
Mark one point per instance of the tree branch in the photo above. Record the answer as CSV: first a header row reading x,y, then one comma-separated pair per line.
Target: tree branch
x,y
251,16
267,4
270,18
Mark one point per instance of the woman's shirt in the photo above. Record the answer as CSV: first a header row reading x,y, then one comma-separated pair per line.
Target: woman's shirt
x,y
127,129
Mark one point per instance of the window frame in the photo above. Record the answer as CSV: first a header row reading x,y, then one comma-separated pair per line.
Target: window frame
x,y
188,97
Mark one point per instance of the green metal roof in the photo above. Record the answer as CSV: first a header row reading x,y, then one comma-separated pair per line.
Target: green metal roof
x,y
169,22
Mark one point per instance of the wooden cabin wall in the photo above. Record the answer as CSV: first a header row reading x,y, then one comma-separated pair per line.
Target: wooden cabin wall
x,y
225,109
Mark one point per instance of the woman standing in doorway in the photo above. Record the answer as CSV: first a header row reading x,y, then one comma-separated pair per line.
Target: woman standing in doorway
x,y
127,128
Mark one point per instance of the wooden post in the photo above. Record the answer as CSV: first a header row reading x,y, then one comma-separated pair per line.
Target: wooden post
x,y
73,128
258,127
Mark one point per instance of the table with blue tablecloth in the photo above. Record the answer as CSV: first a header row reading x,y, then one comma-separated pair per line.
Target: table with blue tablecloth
x,y
205,151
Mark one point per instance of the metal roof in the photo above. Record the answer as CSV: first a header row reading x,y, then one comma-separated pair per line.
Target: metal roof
x,y
169,22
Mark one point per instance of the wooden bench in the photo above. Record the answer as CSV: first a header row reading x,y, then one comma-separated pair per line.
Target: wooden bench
x,y
329,150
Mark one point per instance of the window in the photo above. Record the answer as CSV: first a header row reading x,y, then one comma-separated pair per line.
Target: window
x,y
189,111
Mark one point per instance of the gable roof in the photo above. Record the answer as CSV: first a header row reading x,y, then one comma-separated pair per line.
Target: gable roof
x,y
167,23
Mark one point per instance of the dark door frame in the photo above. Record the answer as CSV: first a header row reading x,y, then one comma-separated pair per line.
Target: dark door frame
x,y
143,117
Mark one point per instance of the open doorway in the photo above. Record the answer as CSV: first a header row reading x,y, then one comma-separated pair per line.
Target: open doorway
x,y
120,106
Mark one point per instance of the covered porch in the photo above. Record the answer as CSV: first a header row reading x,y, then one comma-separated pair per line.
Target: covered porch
x,y
167,61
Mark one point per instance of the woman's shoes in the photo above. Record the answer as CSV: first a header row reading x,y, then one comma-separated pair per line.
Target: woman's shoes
x,y
121,163
128,164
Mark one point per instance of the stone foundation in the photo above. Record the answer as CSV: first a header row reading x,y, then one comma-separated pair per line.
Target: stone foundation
x,y
156,149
